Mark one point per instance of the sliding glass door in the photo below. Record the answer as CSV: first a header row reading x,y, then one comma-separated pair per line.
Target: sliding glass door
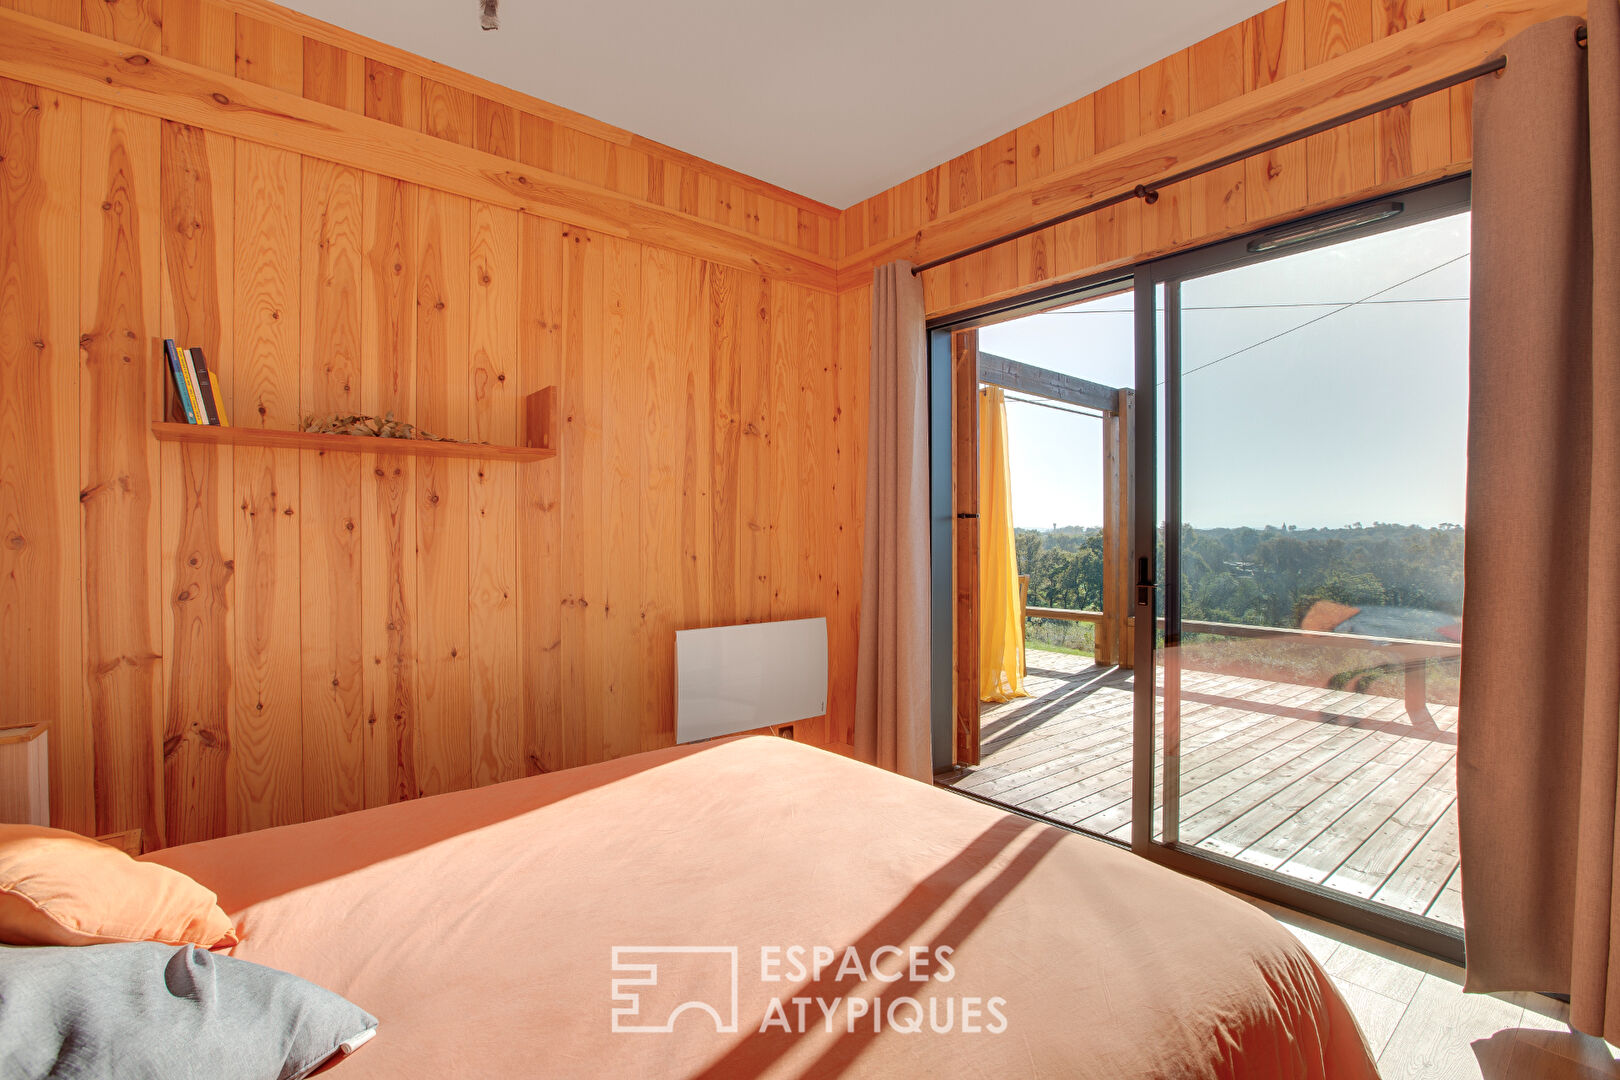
x,y
1300,562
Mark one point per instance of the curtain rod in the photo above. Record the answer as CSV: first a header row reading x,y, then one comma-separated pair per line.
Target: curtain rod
x,y
1149,193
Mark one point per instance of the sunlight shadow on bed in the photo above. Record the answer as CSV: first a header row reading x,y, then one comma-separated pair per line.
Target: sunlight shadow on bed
x,y
758,1051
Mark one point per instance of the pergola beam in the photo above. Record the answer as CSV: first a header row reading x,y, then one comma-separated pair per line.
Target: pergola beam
x,y
1043,382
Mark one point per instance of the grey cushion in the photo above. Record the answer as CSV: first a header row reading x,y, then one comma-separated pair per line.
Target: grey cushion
x,y
152,1010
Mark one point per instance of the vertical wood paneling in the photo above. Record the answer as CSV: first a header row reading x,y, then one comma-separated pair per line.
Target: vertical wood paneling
x,y
443,742
393,96
497,687
581,457
334,76
696,449
41,644
129,22
1415,138
627,174
669,333
1339,162
535,141
756,464
908,203
966,275
269,55
1215,69
495,128
198,192
1164,99
725,409
269,636
1035,254
388,489
331,379
1074,139
200,32
815,358
1118,119
448,112
118,320
584,157
266,786
787,400
1462,113
332,536
624,643
852,381
1274,48
542,317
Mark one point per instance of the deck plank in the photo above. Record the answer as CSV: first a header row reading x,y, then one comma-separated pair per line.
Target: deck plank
x,y
1330,786
1321,857
1395,764
1106,782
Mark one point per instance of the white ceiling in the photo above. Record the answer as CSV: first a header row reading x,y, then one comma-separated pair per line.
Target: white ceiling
x,y
834,99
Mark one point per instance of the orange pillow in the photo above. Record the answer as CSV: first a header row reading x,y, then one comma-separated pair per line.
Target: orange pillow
x,y
60,888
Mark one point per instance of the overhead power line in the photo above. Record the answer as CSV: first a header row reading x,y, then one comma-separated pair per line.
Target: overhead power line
x,y
1325,315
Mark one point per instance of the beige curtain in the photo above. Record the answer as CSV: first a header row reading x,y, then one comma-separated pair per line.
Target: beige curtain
x,y
891,684
1539,737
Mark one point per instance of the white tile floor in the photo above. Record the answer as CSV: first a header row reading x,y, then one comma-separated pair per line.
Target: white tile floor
x,y
1421,1025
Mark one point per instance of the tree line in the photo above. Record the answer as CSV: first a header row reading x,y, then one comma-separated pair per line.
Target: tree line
x,y
1264,576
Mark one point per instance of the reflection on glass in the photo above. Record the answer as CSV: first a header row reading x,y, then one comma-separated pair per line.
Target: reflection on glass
x,y
1308,713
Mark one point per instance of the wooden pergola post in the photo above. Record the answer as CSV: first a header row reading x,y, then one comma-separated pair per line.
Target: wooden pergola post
x,y
965,565
1114,631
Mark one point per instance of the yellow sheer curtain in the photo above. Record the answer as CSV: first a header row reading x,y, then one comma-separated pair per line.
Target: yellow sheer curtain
x,y
1001,630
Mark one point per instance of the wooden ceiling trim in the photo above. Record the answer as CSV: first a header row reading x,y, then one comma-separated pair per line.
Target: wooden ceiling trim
x,y
45,54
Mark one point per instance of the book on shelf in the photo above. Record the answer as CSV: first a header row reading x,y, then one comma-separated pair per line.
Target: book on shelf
x,y
215,396
197,366
196,389
182,388
189,367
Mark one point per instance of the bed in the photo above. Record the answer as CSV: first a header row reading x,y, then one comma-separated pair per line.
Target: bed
x,y
756,907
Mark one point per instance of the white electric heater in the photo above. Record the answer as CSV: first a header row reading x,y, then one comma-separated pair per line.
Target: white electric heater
x,y
740,678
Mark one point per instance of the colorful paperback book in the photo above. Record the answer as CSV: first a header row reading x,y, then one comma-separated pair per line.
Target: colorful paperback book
x,y
198,416
205,386
178,375
219,396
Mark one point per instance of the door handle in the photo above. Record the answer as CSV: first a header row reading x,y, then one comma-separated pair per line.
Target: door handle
x,y
1144,583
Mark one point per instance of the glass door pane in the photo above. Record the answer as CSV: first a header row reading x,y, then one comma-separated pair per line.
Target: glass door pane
x,y
1314,453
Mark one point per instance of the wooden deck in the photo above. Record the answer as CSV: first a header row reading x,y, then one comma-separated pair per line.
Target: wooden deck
x,y
1341,789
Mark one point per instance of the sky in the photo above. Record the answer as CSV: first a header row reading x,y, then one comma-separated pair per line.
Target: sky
x,y
1320,389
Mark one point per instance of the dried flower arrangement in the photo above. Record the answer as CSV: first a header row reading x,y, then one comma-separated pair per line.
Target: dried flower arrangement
x,y
385,427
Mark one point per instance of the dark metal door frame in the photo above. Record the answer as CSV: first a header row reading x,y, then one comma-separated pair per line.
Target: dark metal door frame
x,y
1156,596
1433,201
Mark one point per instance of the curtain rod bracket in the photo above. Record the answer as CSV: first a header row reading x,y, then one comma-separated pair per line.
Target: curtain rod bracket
x,y
1146,194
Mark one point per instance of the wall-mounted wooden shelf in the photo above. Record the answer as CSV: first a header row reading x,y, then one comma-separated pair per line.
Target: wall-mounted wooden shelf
x,y
351,444
538,430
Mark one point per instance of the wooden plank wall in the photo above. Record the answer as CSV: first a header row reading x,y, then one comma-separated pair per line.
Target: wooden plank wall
x,y
226,639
